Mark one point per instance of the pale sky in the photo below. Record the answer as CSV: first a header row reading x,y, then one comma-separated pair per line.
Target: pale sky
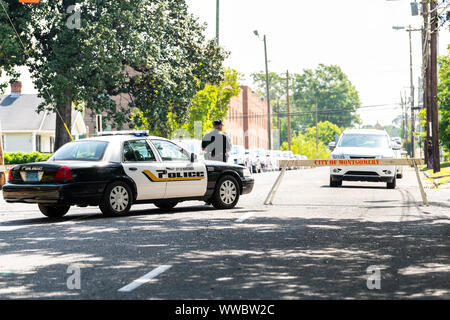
x,y
357,35
354,34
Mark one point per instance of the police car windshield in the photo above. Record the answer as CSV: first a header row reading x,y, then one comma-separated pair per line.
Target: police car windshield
x,y
364,141
81,151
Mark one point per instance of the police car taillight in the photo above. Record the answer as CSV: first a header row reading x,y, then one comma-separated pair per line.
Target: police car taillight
x,y
10,176
63,174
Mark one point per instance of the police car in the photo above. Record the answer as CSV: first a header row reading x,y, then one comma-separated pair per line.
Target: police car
x,y
116,170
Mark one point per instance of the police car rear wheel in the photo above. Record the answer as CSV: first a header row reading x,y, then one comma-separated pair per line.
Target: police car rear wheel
x,y
53,211
165,205
226,194
117,199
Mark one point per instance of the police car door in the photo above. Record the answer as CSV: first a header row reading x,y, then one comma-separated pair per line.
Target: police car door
x,y
143,167
184,178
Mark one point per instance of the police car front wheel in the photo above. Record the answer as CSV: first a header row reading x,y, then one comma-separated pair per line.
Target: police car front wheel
x,y
117,199
226,195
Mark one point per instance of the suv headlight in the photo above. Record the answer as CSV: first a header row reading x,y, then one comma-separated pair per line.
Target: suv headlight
x,y
247,173
337,156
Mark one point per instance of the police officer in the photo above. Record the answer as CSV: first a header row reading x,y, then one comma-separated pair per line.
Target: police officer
x,y
216,144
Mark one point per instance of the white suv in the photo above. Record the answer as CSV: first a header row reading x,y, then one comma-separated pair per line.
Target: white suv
x,y
363,144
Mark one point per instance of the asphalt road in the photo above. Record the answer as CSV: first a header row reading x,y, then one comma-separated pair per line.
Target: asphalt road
x,y
315,242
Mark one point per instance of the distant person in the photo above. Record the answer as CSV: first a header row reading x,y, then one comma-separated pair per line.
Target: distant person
x,y
430,154
216,144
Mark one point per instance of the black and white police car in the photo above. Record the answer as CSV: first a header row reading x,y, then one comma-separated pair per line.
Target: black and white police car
x,y
119,169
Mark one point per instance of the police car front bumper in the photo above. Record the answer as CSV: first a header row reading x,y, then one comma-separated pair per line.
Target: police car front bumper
x,y
247,185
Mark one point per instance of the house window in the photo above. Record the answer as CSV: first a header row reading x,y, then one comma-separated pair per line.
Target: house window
x,y
38,143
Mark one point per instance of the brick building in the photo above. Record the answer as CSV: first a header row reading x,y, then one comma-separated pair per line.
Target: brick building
x,y
246,122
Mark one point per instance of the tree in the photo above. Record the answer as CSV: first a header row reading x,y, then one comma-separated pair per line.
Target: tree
x,y
444,99
154,51
301,144
212,102
327,132
329,87
207,105
11,51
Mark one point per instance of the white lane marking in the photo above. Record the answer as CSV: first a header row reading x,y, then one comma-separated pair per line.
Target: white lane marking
x,y
144,279
244,217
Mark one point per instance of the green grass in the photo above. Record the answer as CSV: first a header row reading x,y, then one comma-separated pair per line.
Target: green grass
x,y
445,170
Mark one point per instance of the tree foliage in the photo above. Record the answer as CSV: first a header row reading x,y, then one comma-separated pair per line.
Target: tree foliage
x,y
328,86
212,102
337,98
207,105
11,51
301,144
327,132
152,50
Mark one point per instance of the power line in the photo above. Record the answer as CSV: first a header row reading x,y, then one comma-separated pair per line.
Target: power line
x,y
298,113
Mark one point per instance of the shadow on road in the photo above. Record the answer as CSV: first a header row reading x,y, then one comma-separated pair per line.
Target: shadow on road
x,y
354,187
263,258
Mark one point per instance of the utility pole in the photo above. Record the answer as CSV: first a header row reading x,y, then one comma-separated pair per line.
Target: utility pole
x,y
426,73
317,132
217,21
405,125
279,123
433,80
288,110
268,97
412,93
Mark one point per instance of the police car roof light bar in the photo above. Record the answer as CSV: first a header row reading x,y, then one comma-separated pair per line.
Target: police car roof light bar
x,y
137,133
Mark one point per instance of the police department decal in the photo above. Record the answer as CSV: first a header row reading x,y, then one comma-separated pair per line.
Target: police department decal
x,y
164,175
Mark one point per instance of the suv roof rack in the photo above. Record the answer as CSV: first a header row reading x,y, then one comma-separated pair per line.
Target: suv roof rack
x,y
137,133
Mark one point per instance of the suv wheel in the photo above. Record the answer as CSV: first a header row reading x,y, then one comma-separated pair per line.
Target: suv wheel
x,y
391,185
227,192
53,211
335,183
117,199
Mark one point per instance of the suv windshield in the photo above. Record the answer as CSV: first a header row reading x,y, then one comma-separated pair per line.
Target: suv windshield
x,y
364,141
81,150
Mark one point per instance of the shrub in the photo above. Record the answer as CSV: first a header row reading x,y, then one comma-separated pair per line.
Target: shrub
x,y
25,157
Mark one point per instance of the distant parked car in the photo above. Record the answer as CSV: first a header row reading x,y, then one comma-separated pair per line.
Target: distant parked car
x,y
255,161
237,156
279,156
192,145
289,155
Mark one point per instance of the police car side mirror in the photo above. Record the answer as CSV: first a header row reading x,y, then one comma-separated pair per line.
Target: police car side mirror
x,y
193,157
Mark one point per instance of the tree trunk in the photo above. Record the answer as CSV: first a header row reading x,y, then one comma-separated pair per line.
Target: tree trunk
x,y
65,110
2,175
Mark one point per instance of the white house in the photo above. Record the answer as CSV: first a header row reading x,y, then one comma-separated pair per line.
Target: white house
x,y
23,129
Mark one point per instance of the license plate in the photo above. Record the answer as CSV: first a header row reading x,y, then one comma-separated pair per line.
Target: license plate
x,y
32,176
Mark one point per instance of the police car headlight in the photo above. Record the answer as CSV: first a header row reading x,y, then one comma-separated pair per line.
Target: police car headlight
x,y
247,173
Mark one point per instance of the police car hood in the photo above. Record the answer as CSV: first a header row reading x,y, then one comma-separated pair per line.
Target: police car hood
x,y
212,163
